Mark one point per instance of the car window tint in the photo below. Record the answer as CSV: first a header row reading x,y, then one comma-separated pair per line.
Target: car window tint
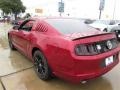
x,y
27,26
68,26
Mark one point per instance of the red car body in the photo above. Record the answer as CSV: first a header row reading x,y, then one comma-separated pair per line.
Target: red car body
x,y
60,49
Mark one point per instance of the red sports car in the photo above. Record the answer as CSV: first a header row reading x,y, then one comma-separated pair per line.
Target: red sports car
x,y
65,47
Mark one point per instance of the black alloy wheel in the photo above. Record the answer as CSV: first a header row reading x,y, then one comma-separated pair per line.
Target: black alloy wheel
x,y
41,66
12,47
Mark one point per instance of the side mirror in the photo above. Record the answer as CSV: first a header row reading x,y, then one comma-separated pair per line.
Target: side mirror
x,y
16,27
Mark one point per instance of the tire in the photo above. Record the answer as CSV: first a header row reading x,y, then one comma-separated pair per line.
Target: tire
x,y
12,47
41,66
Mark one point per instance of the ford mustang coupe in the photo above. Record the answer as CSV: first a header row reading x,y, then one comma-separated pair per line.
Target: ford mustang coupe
x,y
65,47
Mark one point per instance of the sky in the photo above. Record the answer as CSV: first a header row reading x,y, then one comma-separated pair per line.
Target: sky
x,y
76,8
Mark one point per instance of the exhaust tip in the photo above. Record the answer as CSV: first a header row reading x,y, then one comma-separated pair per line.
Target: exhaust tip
x,y
83,82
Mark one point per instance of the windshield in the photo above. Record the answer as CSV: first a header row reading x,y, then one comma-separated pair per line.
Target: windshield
x,y
68,26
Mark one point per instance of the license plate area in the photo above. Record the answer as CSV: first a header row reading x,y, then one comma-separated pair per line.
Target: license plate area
x,y
109,60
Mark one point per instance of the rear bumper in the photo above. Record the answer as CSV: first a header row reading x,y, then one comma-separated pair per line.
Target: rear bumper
x,y
88,67
90,75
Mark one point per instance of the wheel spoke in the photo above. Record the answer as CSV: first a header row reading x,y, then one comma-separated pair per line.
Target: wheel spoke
x,y
36,60
39,65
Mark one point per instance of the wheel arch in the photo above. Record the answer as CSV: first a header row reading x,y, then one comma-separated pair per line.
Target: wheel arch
x,y
37,48
34,49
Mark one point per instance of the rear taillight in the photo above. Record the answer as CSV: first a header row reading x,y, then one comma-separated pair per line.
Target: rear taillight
x,y
85,50
96,48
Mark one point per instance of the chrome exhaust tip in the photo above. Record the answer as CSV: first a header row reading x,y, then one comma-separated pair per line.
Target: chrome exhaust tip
x,y
83,82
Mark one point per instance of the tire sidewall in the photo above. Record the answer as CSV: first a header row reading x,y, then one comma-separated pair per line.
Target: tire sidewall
x,y
46,75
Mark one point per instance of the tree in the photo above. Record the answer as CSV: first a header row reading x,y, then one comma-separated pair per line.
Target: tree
x,y
12,6
17,7
4,6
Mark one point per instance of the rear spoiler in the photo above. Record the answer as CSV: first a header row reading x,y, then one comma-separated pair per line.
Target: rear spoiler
x,y
92,36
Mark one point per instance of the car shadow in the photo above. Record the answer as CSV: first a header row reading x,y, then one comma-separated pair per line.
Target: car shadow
x,y
100,83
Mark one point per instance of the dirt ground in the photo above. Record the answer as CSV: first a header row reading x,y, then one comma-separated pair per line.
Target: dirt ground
x,y
17,73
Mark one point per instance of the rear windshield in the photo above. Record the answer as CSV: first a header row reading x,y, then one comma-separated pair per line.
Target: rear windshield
x,y
68,26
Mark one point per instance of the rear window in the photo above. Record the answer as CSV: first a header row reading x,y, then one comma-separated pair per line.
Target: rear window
x,y
68,26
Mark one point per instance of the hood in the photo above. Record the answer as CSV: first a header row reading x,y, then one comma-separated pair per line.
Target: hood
x,y
74,36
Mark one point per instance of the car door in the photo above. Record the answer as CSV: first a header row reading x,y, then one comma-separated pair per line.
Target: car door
x,y
23,36
13,35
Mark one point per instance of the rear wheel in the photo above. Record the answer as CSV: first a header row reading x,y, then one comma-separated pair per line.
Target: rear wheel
x,y
41,66
12,47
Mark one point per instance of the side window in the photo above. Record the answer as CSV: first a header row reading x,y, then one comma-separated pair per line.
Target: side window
x,y
27,26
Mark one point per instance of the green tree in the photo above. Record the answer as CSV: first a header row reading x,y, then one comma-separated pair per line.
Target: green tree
x,y
12,6
17,7
5,6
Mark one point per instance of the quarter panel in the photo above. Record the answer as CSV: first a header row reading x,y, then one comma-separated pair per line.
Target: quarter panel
x,y
57,51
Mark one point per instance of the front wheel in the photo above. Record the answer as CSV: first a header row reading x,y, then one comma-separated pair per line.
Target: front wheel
x,y
41,66
12,47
